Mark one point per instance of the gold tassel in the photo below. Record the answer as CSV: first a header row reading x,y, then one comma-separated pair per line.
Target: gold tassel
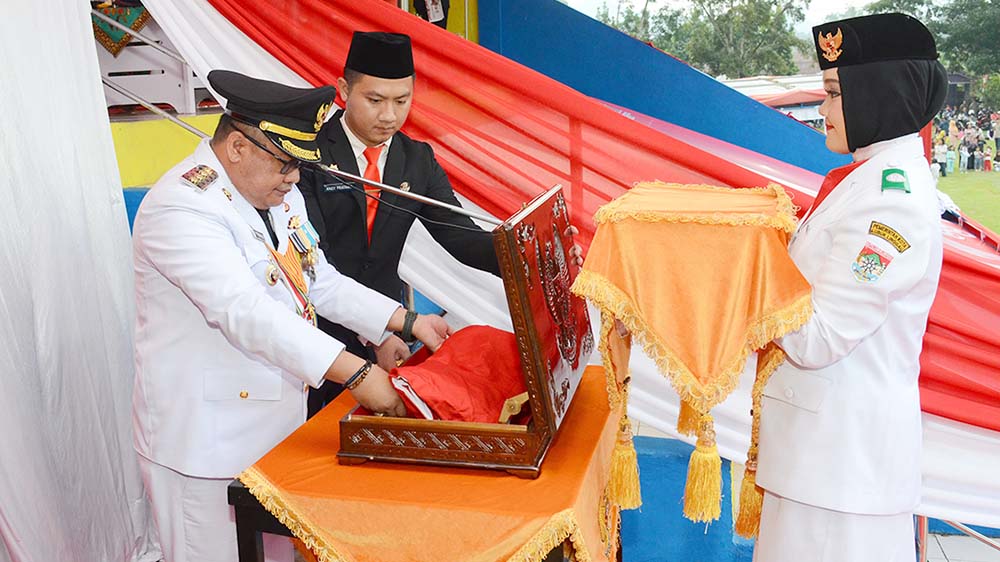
x,y
687,419
623,485
703,492
751,500
747,523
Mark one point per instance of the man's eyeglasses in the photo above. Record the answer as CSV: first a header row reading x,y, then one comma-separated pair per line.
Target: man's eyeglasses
x,y
287,166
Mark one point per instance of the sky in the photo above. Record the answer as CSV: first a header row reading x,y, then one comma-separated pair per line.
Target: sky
x,y
818,11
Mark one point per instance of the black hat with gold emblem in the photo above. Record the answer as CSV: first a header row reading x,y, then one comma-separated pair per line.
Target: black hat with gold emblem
x,y
380,54
289,117
890,80
874,38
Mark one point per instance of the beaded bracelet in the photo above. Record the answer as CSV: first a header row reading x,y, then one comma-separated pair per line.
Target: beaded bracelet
x,y
358,377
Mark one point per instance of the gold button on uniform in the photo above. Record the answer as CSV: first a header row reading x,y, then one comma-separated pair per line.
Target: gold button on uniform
x,y
244,394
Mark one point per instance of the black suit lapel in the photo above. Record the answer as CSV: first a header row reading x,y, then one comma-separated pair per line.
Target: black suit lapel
x,y
395,164
343,156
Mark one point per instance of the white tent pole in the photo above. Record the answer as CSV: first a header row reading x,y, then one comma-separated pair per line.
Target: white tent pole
x,y
135,97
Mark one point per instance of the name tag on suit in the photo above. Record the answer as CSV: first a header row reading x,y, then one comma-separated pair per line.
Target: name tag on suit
x,y
337,186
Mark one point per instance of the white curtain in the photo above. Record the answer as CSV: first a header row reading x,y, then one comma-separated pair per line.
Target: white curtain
x,y
961,462
69,485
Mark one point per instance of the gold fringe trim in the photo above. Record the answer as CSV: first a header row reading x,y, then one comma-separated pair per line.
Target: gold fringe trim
x,y
303,529
303,551
783,218
615,398
747,523
557,529
614,302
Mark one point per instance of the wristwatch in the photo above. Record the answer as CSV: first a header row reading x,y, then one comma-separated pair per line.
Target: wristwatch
x,y
407,333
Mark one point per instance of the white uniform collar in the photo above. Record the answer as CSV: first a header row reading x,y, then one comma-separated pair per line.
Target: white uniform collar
x,y
204,154
866,152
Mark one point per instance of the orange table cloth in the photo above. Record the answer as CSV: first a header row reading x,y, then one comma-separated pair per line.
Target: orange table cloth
x,y
382,512
701,276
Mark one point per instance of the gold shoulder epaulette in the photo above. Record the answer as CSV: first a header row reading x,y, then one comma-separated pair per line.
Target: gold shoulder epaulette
x,y
201,176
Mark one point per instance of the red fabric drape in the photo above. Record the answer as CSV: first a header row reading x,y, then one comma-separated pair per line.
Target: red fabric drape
x,y
504,133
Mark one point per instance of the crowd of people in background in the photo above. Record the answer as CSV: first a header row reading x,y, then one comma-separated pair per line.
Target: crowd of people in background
x,y
965,139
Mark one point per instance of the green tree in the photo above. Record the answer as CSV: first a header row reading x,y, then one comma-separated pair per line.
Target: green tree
x,y
923,10
969,35
967,31
733,37
988,91
741,38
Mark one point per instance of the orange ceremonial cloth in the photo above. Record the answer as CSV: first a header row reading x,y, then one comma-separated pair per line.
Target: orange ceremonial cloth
x,y
700,275
387,512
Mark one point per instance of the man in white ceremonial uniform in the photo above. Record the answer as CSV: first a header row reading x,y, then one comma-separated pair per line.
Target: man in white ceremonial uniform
x,y
840,433
229,279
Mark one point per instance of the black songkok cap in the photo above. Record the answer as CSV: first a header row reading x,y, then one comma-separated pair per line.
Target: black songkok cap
x,y
875,38
289,117
380,54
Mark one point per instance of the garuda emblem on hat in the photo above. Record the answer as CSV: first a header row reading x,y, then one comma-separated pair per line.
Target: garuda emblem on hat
x,y
321,115
831,45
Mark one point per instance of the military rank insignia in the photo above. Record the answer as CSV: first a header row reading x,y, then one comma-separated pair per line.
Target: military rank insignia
x,y
201,176
870,264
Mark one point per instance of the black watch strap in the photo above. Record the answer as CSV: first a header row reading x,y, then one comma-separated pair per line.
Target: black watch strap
x,y
407,333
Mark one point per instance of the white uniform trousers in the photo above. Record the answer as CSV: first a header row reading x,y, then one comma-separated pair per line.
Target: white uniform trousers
x,y
194,519
796,532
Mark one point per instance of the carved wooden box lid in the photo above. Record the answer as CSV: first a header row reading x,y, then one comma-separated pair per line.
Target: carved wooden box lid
x,y
554,338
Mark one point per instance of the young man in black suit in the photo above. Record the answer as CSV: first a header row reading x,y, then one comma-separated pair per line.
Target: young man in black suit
x,y
360,236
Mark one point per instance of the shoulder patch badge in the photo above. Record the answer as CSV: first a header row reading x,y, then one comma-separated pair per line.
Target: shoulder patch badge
x,y
895,178
888,234
201,176
870,264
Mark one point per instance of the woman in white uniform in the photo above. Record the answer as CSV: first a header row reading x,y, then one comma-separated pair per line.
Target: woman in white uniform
x,y
840,421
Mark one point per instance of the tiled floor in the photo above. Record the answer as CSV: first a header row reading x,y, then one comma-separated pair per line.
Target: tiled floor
x,y
952,548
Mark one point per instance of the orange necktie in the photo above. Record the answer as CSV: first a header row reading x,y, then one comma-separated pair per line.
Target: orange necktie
x,y
371,173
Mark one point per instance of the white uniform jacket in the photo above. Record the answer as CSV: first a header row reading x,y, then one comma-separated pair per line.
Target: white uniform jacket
x,y
222,357
840,419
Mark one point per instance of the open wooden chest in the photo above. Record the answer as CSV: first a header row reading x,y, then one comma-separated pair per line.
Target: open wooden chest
x,y
553,334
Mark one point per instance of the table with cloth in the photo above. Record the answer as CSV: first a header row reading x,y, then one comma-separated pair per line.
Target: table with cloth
x,y
385,512
701,276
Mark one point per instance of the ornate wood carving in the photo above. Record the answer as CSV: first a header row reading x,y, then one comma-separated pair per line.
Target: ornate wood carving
x,y
554,339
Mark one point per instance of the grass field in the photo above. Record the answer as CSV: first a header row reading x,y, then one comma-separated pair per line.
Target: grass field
x,y
977,194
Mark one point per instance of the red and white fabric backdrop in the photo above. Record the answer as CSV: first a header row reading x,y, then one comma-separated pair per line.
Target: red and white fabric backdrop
x,y
504,133
70,487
